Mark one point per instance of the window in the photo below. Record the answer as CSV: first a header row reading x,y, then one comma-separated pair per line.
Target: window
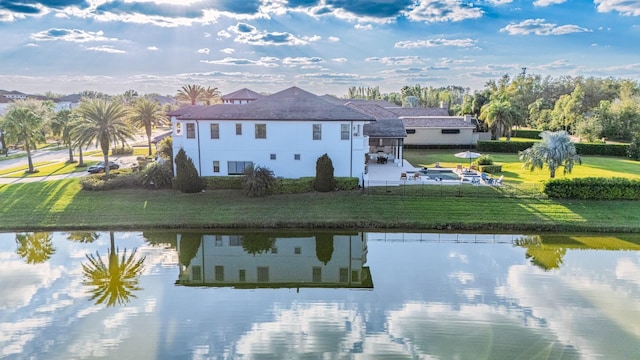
x,y
263,274
219,273
218,240
411,131
344,132
317,131
344,275
273,156
196,273
261,131
317,274
216,166
451,131
297,250
296,156
274,250
238,129
237,167
215,131
235,240
242,275
355,276
178,129
191,131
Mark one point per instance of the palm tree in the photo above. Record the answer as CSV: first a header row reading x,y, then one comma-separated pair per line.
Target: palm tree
x,y
35,248
555,150
147,114
105,122
211,95
25,121
190,93
83,236
112,283
61,125
499,115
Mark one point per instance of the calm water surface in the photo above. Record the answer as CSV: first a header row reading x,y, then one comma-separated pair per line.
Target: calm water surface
x,y
167,295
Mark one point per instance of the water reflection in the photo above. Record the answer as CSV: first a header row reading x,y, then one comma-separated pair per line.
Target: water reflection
x,y
34,247
464,296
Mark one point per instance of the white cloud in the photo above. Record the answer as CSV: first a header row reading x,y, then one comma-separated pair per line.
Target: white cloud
x,y
203,51
363,26
340,60
541,27
228,50
223,34
624,7
295,61
443,11
265,61
397,60
70,35
544,3
434,43
152,48
107,49
312,38
334,39
249,34
500,2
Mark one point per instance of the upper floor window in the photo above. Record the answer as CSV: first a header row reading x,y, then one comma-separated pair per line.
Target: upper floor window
x,y
191,131
215,131
261,131
238,129
344,132
317,131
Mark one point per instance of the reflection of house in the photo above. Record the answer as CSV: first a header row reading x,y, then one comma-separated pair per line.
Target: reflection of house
x,y
292,262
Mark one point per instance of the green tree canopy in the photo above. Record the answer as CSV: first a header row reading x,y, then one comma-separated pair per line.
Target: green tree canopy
x,y
555,150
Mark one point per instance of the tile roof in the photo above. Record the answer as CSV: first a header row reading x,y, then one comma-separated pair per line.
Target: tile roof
x,y
242,94
413,112
385,128
290,104
437,122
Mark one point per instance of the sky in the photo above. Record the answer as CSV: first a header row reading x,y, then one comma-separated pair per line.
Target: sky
x,y
323,46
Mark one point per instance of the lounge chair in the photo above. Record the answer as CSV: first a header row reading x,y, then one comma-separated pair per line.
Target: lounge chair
x,y
459,168
403,176
416,176
499,181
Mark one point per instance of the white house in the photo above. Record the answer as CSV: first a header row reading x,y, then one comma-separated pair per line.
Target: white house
x,y
286,132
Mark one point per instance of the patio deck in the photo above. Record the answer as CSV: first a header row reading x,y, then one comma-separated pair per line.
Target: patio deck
x,y
389,175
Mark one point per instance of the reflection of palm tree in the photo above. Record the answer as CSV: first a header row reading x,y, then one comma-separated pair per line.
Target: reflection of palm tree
x,y
35,248
83,236
543,256
113,283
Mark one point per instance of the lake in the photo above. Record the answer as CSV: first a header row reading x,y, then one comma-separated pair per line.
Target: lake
x,y
318,295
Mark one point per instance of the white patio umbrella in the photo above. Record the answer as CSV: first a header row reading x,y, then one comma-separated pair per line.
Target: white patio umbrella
x,y
468,155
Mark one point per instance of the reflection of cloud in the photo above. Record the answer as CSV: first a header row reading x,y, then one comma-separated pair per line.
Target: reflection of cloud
x,y
627,270
20,281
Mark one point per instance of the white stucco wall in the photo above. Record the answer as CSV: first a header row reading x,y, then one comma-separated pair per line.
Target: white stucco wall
x,y
285,139
434,136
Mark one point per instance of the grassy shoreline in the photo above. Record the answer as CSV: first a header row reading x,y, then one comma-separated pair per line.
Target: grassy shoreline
x,y
62,205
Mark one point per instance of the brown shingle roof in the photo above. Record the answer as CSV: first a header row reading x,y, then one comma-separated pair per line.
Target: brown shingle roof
x,y
290,104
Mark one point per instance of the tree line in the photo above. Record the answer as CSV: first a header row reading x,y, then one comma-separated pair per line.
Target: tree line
x,y
587,107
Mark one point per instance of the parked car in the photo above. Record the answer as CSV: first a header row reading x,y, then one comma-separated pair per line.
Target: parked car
x,y
99,167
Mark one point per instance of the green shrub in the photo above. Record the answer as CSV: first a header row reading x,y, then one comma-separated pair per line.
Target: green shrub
x,y
187,179
602,149
293,186
527,134
491,169
325,180
257,180
122,151
484,159
347,183
593,189
224,182
156,175
634,148
99,182
498,146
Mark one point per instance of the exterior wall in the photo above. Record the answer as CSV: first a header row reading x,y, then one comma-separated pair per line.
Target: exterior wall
x,y
291,260
434,136
285,139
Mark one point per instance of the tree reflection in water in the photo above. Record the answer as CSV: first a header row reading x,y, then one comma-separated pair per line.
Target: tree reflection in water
x,y
36,247
83,236
257,243
115,282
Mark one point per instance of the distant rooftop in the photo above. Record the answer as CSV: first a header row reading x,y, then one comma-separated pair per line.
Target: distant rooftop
x,y
242,94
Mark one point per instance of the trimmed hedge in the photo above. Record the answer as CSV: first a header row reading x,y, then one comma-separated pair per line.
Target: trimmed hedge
x,y
122,151
593,189
498,146
282,186
527,134
491,169
602,149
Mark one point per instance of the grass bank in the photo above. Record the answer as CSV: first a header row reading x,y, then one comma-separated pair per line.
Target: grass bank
x,y
62,205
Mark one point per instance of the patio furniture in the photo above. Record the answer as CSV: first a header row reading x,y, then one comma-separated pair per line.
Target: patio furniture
x,y
416,176
403,176
499,181
459,168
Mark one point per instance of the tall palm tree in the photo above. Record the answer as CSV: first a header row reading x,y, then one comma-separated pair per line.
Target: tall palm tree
x,y
555,150
190,93
83,236
61,125
112,283
105,122
25,121
211,95
147,114
500,115
36,247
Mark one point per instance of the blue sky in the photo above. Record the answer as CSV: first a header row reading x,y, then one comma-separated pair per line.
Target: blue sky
x,y
323,46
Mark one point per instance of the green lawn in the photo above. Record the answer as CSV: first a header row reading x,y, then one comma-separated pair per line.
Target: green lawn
x,y
44,169
61,205
592,166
